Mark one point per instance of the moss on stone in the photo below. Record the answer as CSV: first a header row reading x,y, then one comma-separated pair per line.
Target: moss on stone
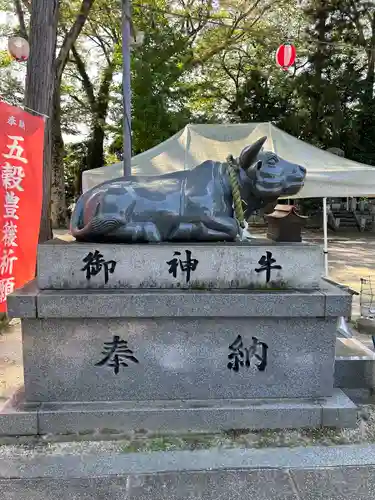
x,y
143,441
271,286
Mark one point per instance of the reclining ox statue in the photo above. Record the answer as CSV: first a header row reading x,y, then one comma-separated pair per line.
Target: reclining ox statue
x,y
188,205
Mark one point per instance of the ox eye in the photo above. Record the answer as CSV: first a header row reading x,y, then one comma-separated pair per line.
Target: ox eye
x,y
259,165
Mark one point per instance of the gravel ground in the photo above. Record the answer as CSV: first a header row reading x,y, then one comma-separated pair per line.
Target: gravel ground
x,y
364,433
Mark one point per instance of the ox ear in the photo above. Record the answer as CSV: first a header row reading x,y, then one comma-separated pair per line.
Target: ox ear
x,y
250,153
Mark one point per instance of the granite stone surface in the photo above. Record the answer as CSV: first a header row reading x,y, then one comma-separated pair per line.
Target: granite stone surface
x,y
22,302
214,485
181,358
231,474
338,483
187,417
62,265
164,417
339,411
176,303
207,485
338,302
356,483
355,372
18,423
65,466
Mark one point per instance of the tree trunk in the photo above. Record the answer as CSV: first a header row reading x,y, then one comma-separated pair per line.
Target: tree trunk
x,y
39,87
58,199
95,153
370,74
58,206
43,82
99,108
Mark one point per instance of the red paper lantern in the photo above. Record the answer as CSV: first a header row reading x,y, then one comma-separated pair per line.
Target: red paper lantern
x,y
19,48
286,55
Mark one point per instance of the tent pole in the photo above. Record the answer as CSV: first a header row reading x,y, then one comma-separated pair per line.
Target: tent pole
x,y
325,234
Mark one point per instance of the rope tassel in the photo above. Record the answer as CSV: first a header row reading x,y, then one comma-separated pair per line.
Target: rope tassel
x,y
237,201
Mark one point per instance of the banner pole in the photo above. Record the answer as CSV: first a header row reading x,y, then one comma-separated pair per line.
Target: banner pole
x,y
325,236
126,87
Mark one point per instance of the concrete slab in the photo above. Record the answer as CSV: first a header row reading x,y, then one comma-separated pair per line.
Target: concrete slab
x,y
356,483
213,485
208,485
89,465
77,489
321,473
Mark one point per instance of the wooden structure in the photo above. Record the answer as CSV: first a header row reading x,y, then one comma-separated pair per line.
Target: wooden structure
x,y
285,224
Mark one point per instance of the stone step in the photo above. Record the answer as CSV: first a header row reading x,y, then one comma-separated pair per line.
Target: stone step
x,y
179,416
31,302
277,473
258,264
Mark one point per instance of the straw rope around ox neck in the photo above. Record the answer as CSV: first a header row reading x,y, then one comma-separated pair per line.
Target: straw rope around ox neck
x,y
233,169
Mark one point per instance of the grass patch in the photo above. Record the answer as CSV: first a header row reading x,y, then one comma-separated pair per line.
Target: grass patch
x,y
186,442
245,438
272,286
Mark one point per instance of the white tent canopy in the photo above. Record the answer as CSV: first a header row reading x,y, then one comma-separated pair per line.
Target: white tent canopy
x,y
328,175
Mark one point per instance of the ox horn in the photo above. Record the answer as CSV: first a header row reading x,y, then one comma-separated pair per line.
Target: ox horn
x,y
250,153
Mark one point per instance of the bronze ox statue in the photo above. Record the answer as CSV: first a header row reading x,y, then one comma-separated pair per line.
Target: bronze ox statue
x,y
188,205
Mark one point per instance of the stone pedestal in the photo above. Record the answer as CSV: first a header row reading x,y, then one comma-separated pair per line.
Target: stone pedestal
x,y
234,336
146,266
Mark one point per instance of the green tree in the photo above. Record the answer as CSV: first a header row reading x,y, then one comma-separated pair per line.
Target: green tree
x,y
169,69
39,87
12,72
337,87
71,17
242,82
158,107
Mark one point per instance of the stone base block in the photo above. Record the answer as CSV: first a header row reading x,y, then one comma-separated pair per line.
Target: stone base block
x,y
18,418
366,325
354,365
169,359
180,416
257,264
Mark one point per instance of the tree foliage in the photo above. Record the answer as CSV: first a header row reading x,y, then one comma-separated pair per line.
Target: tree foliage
x,y
206,61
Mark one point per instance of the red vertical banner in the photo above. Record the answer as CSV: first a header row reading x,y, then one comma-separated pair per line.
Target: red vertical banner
x,y
21,192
